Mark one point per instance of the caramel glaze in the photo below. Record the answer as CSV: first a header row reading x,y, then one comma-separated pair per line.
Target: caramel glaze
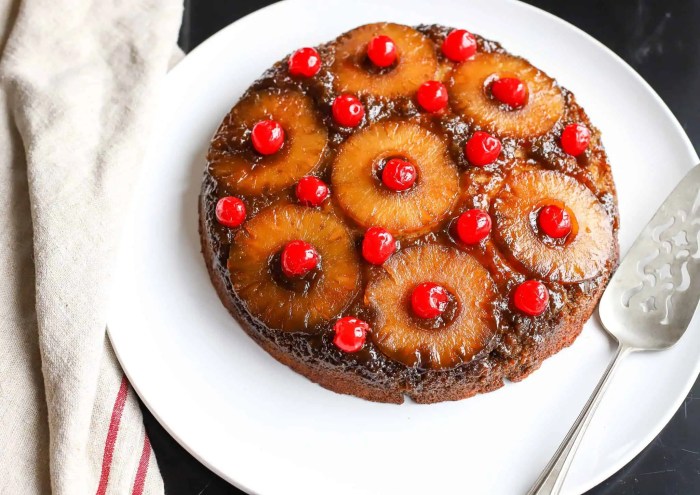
x,y
516,335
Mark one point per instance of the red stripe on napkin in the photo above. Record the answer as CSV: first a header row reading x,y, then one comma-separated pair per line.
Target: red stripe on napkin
x,y
143,467
112,435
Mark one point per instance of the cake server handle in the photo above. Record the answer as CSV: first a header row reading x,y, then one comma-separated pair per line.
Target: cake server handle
x,y
553,475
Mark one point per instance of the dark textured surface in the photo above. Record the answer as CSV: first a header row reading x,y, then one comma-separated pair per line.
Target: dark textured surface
x,y
661,41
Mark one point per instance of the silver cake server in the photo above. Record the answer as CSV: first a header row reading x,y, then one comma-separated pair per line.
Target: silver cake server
x,y
647,305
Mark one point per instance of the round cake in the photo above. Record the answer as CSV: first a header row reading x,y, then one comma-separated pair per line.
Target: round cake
x,y
408,212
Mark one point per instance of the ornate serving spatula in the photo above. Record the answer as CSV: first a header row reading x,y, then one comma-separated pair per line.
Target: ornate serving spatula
x,y
647,305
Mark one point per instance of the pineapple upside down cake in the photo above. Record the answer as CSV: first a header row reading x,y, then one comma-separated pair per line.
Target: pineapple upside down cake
x,y
409,211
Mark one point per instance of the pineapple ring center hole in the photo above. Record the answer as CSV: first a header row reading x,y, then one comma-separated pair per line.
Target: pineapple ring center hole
x,y
378,167
488,94
441,321
301,285
544,238
255,158
363,61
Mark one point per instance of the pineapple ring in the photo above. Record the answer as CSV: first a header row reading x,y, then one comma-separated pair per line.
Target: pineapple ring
x,y
395,331
416,61
263,237
242,171
586,251
469,94
362,196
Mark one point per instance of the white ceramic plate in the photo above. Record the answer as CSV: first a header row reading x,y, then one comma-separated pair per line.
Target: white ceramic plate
x,y
270,431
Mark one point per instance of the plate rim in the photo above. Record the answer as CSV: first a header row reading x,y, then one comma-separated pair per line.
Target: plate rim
x,y
181,67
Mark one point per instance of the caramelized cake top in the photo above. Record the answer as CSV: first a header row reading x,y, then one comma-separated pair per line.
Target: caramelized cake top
x,y
408,197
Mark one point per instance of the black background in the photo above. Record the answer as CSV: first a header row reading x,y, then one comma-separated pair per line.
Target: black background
x,y
660,40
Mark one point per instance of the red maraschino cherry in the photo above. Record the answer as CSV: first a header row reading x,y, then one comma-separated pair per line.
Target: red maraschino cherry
x,y
429,300
459,45
298,258
348,110
350,333
267,137
381,51
398,174
230,211
311,191
531,297
554,221
432,96
510,90
305,62
482,149
378,245
473,226
575,139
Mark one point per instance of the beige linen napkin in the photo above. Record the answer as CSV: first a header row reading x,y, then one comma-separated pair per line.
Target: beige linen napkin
x,y
77,80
